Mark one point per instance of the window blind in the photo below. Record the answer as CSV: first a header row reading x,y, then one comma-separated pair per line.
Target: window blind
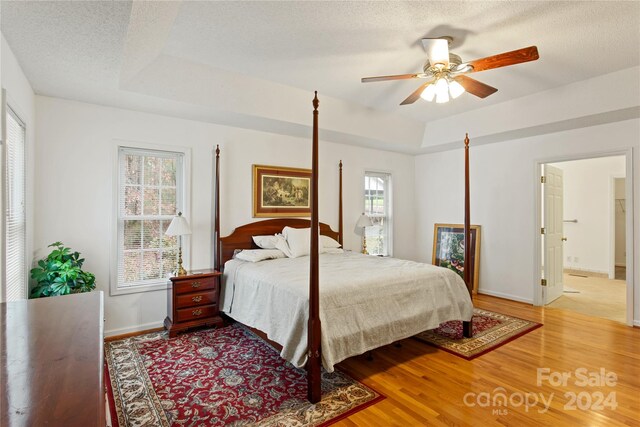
x,y
15,211
377,201
150,194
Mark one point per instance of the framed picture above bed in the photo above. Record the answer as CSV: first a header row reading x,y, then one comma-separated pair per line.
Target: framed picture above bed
x,y
281,191
448,249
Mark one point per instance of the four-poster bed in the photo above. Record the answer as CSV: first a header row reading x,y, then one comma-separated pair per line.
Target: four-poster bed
x,y
421,295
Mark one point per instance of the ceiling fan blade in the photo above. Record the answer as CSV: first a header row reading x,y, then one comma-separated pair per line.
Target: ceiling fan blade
x,y
396,77
475,87
437,50
519,56
416,94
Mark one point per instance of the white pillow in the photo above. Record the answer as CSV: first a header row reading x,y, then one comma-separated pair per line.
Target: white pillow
x,y
283,246
256,255
334,250
298,241
328,242
265,242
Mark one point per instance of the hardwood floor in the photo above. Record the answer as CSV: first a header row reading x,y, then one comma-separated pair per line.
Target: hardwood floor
x,y
427,386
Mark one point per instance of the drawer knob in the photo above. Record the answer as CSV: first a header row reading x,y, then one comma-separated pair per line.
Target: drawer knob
x,y
197,312
195,285
197,298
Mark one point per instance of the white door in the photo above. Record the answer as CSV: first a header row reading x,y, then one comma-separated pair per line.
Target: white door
x,y
553,238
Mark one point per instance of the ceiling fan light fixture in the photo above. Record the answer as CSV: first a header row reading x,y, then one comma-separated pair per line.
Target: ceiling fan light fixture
x,y
429,93
442,91
456,89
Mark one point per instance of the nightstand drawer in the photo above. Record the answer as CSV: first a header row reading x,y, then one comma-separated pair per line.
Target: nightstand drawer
x,y
196,299
194,313
195,284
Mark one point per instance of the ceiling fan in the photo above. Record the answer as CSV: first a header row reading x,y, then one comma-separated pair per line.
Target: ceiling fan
x,y
446,73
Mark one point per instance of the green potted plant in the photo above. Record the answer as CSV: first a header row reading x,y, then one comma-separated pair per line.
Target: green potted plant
x,y
60,273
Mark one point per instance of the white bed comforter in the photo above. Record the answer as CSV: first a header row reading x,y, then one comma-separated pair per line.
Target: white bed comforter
x,y
365,301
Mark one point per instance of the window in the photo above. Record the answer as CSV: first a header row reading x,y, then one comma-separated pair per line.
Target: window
x,y
15,262
377,205
150,192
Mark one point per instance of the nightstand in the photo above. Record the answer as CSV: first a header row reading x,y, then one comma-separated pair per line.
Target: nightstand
x,y
193,301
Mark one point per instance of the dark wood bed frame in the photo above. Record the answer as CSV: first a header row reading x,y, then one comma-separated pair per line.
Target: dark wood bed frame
x,y
241,238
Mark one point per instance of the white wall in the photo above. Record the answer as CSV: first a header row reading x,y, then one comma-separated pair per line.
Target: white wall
x,y
74,164
21,99
587,198
503,180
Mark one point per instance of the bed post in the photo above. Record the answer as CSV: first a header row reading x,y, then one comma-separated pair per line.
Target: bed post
x,y
340,226
216,223
314,393
467,327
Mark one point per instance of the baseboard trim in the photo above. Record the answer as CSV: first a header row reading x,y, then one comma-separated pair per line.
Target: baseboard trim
x,y
636,323
505,296
133,330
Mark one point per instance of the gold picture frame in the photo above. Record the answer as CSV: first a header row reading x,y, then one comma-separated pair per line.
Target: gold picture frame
x,y
448,250
281,192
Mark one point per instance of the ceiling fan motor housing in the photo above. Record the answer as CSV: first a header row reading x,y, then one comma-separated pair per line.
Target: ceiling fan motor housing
x,y
454,61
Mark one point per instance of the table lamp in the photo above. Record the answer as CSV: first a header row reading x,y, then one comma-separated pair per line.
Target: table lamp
x,y
179,227
364,222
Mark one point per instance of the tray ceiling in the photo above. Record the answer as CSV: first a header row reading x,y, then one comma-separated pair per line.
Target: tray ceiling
x,y
101,51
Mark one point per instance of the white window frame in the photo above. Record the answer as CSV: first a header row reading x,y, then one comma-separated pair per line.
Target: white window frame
x,y
388,203
3,146
5,109
183,204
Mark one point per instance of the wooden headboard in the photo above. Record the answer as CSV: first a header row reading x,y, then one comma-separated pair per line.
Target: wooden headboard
x,y
241,236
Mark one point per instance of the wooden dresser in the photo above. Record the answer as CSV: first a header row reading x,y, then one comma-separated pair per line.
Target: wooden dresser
x,y
52,366
193,301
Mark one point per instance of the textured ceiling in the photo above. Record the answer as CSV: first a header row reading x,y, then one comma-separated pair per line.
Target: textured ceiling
x,y
330,46
67,49
96,51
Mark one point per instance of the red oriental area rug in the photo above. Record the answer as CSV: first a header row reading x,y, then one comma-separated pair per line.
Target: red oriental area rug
x,y
225,376
490,331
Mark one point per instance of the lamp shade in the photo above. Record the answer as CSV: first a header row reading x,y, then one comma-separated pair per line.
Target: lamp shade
x,y
455,89
429,93
178,227
364,221
442,91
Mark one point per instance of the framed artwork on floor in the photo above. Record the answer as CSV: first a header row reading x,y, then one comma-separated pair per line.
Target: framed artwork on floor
x,y
281,191
448,250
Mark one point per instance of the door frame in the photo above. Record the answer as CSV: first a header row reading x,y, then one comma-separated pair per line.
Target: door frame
x,y
612,222
538,299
